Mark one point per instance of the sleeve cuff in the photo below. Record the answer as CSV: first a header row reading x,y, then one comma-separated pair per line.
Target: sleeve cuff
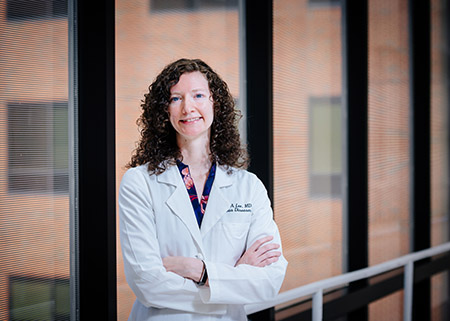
x,y
207,293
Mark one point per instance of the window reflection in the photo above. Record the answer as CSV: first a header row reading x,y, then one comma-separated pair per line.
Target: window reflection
x,y
325,147
39,299
34,155
38,159
17,10
163,5
307,137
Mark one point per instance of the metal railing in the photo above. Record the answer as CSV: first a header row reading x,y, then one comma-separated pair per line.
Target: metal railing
x,y
316,289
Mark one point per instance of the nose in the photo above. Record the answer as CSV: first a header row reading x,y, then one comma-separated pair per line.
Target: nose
x,y
188,105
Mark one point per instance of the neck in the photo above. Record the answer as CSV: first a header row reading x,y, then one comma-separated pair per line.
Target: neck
x,y
196,153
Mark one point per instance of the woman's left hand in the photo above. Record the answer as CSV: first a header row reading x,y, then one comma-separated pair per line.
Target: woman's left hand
x,y
261,253
187,267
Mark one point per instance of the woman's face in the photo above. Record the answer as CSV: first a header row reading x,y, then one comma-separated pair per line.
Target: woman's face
x,y
191,110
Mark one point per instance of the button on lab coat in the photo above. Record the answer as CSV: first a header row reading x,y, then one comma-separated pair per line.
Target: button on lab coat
x,y
157,220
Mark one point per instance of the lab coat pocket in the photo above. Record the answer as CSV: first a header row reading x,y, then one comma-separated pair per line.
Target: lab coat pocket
x,y
234,240
236,230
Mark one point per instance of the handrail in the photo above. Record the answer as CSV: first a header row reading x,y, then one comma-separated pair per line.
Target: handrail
x,y
317,288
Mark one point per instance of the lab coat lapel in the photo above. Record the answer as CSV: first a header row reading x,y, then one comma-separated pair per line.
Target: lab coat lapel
x,y
180,203
218,202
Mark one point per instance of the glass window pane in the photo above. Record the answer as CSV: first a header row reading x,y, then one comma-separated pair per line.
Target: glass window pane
x,y
151,34
389,160
307,137
439,297
34,174
387,308
388,130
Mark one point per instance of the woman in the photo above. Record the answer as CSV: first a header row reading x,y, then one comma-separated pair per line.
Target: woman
x,y
197,233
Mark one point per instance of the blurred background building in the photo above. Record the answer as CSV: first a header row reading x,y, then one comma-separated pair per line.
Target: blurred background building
x,y
45,231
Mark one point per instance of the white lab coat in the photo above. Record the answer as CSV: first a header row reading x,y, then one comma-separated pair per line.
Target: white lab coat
x,y
157,220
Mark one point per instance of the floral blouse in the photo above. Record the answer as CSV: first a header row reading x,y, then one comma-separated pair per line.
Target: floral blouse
x,y
199,207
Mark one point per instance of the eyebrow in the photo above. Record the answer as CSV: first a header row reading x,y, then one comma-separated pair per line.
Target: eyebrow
x,y
193,90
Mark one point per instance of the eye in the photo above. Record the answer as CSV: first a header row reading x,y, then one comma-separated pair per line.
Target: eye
x,y
199,95
174,99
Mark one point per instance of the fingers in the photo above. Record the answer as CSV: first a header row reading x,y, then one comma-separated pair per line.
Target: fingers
x,y
255,246
261,253
250,258
266,248
268,258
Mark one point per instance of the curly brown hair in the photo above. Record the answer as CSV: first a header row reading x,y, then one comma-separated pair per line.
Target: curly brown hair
x,y
158,146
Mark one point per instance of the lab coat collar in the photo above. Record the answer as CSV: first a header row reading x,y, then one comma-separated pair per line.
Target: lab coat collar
x,y
180,203
170,176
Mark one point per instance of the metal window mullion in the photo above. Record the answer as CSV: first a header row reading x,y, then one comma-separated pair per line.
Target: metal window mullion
x,y
355,141
419,30
95,81
73,161
258,50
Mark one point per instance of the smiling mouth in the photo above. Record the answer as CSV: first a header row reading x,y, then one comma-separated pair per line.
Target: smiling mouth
x,y
190,120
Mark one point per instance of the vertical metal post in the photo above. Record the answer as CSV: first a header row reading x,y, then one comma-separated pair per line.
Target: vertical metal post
x,y
420,127
355,113
317,306
95,68
259,50
73,162
258,26
408,291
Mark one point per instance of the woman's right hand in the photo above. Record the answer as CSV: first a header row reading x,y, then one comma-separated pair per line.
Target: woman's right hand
x,y
260,254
